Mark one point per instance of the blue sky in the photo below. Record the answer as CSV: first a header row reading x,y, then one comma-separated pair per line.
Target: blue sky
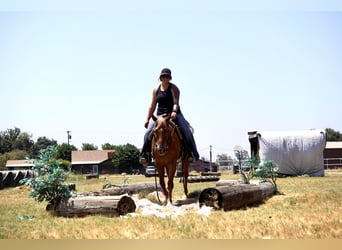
x,y
91,68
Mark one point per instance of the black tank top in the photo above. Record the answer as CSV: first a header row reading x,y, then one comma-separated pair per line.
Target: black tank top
x,y
164,100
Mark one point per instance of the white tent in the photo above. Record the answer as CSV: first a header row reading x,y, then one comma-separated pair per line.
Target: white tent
x,y
296,152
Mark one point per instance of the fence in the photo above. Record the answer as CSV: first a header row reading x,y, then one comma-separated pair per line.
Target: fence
x,y
332,163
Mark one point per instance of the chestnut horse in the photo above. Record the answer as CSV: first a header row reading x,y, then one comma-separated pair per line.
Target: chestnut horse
x,y
166,151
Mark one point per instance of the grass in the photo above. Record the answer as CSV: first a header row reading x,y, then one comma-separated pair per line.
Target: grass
x,y
310,208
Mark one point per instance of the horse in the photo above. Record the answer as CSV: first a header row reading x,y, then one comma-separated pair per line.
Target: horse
x,y
167,151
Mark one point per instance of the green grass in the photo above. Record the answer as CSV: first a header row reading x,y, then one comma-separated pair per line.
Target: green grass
x,y
310,208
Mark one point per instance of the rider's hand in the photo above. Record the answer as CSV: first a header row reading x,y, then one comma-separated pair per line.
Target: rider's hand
x,y
146,124
173,115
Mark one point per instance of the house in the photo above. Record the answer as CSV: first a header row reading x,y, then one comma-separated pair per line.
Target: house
x,y
203,166
295,152
19,164
92,162
333,155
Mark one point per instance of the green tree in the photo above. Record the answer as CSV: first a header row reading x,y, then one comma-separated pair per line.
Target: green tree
x,y
23,142
333,135
7,139
64,151
108,146
49,185
88,146
126,158
224,160
42,143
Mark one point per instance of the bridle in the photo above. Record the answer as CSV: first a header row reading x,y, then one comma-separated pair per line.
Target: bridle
x,y
162,149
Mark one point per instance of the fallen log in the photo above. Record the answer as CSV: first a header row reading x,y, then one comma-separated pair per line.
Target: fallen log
x,y
210,174
235,196
134,188
92,176
95,205
192,179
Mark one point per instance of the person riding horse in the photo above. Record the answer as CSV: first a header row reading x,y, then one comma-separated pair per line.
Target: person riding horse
x,y
166,95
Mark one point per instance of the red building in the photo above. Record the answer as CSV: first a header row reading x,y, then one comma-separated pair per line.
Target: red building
x,y
333,155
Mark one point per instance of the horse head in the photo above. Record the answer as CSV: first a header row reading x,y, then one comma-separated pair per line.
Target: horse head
x,y
162,133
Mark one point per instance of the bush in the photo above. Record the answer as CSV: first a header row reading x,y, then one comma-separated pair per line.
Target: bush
x,y
49,184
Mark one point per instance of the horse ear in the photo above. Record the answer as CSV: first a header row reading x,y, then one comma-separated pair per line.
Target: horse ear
x,y
167,118
154,118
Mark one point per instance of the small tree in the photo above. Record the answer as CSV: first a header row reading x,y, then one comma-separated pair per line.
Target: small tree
x,y
49,184
267,169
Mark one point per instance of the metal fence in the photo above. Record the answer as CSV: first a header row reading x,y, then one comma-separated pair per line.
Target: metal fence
x,y
332,163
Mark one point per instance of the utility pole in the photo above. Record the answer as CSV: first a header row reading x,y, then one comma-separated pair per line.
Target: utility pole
x,y
210,166
69,136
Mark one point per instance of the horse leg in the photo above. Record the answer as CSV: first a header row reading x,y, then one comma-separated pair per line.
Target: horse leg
x,y
163,186
171,175
170,187
185,164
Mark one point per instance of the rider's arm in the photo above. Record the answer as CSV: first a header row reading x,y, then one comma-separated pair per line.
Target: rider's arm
x,y
152,107
175,95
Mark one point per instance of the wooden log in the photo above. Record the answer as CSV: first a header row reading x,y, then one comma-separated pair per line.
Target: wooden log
x,y
192,179
92,176
95,205
235,196
134,188
210,174
235,182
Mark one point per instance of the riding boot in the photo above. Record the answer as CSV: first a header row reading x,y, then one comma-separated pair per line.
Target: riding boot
x,y
145,153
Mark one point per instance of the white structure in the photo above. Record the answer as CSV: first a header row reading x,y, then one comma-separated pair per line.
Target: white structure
x,y
296,152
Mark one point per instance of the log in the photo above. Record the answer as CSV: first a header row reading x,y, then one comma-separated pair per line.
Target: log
x,y
95,205
210,174
235,196
92,176
134,188
192,179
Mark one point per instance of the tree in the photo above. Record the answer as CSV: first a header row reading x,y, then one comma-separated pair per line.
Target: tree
x,y
42,143
7,139
23,142
50,184
88,146
126,158
64,151
224,160
333,135
108,146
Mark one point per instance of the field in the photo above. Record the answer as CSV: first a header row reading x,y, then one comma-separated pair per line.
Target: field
x,y
308,208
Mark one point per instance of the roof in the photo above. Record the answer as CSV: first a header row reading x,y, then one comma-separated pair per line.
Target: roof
x,y
19,163
91,156
334,144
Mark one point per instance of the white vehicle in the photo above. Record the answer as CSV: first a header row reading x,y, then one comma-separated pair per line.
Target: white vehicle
x,y
150,171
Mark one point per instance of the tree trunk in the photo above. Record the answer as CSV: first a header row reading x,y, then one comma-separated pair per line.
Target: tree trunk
x,y
103,205
133,188
235,196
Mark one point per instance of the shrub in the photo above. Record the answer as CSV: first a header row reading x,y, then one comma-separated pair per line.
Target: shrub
x,y
267,169
49,184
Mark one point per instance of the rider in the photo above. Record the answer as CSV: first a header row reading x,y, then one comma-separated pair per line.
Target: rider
x,y
166,95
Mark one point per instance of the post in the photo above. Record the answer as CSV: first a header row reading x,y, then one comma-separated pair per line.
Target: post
x,y
69,136
210,166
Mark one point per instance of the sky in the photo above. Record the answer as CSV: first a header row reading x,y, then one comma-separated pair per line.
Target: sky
x,y
240,66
